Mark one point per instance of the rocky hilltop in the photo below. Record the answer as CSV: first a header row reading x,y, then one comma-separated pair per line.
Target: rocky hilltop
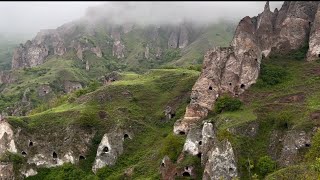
x,y
236,68
163,124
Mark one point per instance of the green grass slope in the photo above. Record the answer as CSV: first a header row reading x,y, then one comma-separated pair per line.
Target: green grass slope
x,y
142,111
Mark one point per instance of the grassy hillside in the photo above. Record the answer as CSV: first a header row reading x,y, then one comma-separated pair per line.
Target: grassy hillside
x,y
142,111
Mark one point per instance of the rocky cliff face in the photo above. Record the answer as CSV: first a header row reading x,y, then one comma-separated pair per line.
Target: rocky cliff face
x,y
234,69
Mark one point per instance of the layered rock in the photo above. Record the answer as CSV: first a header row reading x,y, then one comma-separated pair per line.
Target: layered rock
x,y
70,86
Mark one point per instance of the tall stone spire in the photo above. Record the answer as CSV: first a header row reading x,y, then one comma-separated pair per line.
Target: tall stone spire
x,y
267,6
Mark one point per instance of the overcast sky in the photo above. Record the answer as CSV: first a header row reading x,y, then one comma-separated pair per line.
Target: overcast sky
x,y
30,17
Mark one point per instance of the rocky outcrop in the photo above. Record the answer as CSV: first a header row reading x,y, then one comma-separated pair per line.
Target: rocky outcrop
x,y
110,147
225,70
6,77
314,42
29,55
146,52
183,38
221,163
111,77
174,39
292,142
118,47
217,157
71,86
6,171
7,142
43,90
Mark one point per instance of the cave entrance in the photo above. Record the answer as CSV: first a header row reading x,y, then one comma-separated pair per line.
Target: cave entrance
x,y
173,115
182,133
318,55
307,145
23,153
30,144
199,155
210,87
162,164
200,142
105,149
242,86
186,174
81,158
126,136
54,155
230,84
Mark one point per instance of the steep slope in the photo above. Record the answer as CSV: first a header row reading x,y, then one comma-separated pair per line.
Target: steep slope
x,y
82,51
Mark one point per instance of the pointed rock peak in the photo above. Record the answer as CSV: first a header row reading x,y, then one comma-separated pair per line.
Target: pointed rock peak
x,y
267,6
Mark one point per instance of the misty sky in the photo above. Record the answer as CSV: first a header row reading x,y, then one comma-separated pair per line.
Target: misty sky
x,y
30,17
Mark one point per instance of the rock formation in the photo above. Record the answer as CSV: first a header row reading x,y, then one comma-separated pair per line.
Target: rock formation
x,y
110,147
235,68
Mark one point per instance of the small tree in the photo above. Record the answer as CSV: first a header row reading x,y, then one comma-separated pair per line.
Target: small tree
x,y
266,165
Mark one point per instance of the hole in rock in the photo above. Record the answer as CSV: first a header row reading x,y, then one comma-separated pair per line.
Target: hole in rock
x,y
45,92
81,158
186,174
182,133
319,55
162,164
307,145
199,155
242,86
176,174
187,168
210,88
23,153
230,169
256,59
30,143
54,155
230,84
200,142
173,115
126,136
105,149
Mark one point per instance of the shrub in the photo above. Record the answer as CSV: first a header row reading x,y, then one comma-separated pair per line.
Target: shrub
x,y
266,165
227,103
271,75
172,146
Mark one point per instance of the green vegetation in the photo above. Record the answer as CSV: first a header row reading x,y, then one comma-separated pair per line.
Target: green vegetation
x,y
266,165
227,103
141,110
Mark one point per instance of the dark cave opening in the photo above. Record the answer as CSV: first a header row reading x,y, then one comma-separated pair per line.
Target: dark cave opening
x,y
242,86
126,136
200,142
186,174
54,155
81,158
182,133
210,87
23,153
30,143
105,149
199,155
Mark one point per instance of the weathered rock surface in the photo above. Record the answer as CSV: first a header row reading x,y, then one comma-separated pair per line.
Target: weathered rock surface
x,y
44,90
71,86
174,39
314,42
292,142
183,37
7,142
110,147
6,171
217,157
235,68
